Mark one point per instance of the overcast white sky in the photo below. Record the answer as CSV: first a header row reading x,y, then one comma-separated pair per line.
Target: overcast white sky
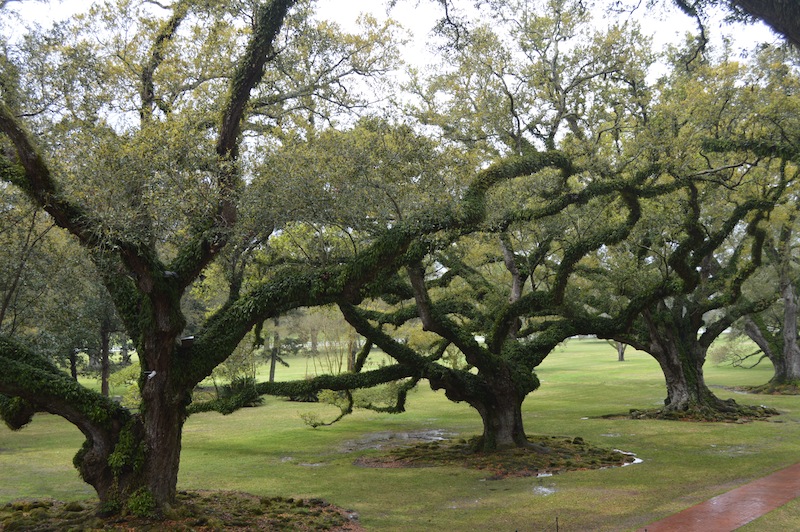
x,y
666,25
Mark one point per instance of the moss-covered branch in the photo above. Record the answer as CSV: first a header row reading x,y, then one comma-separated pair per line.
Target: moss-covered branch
x,y
343,381
552,298
400,245
167,31
47,389
458,384
29,384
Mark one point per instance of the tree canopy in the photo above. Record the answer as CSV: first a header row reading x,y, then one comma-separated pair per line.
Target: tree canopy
x,y
216,165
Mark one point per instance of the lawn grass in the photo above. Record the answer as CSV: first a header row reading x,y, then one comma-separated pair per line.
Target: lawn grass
x,y
270,451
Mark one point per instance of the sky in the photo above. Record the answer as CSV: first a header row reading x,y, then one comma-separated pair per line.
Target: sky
x,y
667,25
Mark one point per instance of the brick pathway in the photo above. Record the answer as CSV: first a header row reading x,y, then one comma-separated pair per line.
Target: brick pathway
x,y
735,508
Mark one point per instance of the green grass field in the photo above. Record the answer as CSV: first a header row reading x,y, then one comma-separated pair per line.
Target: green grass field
x,y
270,451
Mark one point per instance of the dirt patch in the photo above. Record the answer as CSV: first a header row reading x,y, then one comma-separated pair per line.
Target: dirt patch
x,y
562,454
195,511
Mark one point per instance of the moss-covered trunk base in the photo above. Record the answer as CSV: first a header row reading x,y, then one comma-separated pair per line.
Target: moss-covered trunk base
x,y
706,408
776,387
688,396
501,413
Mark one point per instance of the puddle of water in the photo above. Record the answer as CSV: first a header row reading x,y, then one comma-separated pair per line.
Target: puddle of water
x,y
464,504
732,450
381,440
636,460
544,491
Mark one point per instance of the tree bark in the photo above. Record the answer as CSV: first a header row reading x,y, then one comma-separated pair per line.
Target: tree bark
x,y
498,398
783,16
674,343
501,413
165,395
163,421
791,349
683,372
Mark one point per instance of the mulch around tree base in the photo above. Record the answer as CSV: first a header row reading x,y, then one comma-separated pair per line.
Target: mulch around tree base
x,y
771,389
196,511
560,454
738,414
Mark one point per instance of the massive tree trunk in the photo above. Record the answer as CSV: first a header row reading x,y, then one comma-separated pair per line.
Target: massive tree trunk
x,y
674,340
163,418
682,366
498,398
780,346
501,413
790,366
165,396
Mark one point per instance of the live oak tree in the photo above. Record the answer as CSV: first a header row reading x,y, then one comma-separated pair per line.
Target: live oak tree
x,y
459,295
543,219
127,127
546,81
707,243
678,329
774,330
